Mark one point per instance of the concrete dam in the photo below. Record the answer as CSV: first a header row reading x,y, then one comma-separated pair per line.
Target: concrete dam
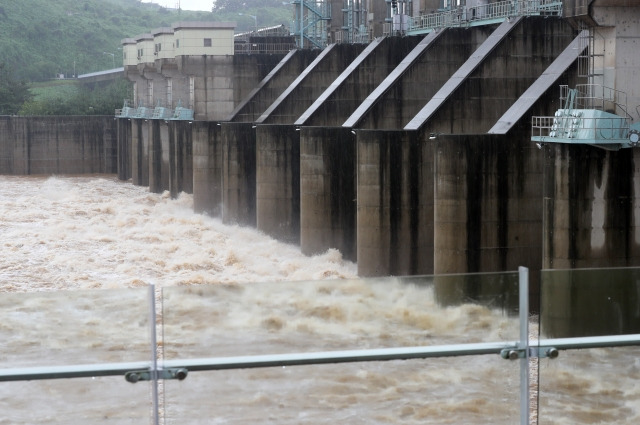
x,y
410,154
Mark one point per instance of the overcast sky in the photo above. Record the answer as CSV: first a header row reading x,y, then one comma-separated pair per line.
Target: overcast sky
x,y
184,4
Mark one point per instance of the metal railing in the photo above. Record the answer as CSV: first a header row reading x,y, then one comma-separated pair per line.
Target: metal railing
x,y
573,125
156,370
263,47
484,14
591,114
159,112
595,96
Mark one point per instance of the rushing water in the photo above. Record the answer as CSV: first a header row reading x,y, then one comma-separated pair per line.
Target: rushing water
x,y
97,232
224,291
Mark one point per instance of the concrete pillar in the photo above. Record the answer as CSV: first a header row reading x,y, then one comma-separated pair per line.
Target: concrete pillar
x,y
207,167
328,191
158,156
488,212
140,152
180,157
124,148
176,82
395,203
239,174
591,216
278,182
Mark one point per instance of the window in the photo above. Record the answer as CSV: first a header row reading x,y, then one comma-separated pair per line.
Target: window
x,y
207,42
177,44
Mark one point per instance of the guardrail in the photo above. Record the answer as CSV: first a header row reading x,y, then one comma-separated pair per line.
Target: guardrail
x,y
260,47
576,126
484,14
157,113
154,370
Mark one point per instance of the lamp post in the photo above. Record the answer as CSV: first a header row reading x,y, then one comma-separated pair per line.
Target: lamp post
x,y
113,58
255,18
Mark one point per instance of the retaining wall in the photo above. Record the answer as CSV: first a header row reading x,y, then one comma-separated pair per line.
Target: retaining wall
x,y
58,145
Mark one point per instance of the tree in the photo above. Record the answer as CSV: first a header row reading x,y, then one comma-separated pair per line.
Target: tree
x,y
102,100
13,94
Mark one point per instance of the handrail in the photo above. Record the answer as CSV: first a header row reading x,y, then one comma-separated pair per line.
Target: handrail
x,y
465,16
595,96
154,370
322,357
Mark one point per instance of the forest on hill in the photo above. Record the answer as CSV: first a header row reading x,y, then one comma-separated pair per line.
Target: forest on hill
x,y
40,40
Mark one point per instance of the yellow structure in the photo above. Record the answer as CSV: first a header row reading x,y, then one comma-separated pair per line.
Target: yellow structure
x,y
129,52
203,38
163,43
145,48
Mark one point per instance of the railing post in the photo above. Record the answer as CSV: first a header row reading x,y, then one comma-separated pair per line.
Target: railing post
x,y
523,288
154,355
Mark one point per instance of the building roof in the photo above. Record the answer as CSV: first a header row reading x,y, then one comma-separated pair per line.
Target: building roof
x,y
203,25
144,37
162,30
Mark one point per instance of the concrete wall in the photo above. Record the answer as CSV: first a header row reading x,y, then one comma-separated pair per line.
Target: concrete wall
x,y
258,102
278,182
328,191
222,82
58,145
503,77
617,39
424,78
362,81
395,203
315,82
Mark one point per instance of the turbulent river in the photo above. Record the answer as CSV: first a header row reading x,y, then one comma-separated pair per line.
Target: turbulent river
x,y
78,254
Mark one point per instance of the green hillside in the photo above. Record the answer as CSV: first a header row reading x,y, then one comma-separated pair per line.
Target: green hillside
x,y
40,39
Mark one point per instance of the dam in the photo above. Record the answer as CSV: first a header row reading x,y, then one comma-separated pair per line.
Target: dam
x,y
410,154
413,152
